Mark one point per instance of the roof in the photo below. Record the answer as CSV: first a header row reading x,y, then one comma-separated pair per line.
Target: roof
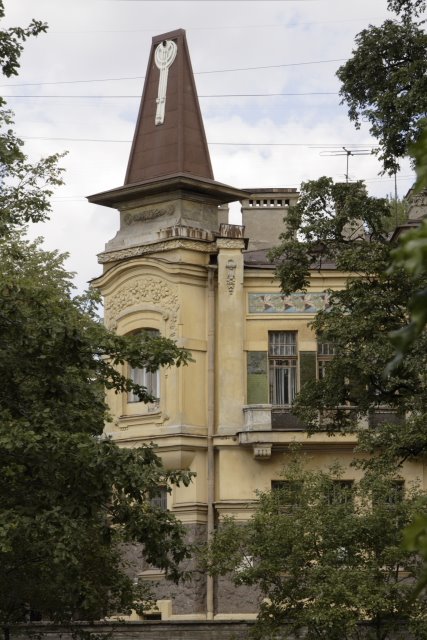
x,y
178,143
259,260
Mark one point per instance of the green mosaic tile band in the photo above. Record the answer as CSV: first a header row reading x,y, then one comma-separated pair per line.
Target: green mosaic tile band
x,y
293,303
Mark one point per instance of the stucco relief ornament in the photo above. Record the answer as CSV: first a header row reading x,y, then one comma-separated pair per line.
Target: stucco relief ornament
x,y
150,291
231,275
164,56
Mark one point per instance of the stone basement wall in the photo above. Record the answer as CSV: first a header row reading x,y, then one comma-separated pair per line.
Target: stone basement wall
x,y
189,596
237,600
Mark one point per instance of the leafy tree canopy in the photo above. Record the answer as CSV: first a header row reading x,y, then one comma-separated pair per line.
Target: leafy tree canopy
x,y
11,43
326,555
338,226
407,8
69,497
384,82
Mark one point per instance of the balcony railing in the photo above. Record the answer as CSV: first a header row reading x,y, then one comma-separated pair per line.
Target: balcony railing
x,y
268,417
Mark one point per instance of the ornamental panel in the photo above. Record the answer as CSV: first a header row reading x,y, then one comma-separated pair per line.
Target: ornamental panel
x,y
151,291
292,303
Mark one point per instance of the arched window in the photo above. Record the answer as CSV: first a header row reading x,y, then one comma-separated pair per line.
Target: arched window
x,y
148,379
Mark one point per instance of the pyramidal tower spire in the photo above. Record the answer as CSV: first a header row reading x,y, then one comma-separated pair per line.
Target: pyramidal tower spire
x,y
169,188
169,136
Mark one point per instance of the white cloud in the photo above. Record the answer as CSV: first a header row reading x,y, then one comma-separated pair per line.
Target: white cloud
x,y
96,39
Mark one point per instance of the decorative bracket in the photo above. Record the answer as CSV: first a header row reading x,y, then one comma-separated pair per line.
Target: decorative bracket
x,y
231,275
262,451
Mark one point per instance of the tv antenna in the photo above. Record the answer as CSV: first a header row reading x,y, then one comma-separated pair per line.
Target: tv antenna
x,y
346,152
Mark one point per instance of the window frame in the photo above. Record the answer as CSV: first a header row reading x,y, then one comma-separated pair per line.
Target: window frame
x,y
148,379
287,493
160,501
282,357
340,493
324,354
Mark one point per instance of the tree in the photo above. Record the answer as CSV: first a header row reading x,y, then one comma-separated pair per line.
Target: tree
x,y
411,255
384,82
341,224
326,555
69,497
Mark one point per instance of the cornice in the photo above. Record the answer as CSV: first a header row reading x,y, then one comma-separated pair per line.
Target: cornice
x,y
202,246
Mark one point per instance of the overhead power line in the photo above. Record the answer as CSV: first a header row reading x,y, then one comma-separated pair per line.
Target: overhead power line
x,y
270,66
240,27
311,145
219,95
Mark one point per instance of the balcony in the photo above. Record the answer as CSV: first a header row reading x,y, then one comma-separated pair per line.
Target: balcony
x,y
268,417
267,426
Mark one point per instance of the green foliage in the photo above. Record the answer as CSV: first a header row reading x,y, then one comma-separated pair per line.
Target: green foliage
x,y
373,305
340,226
399,213
407,8
419,152
326,556
11,43
25,187
69,497
384,82
415,540
324,228
412,256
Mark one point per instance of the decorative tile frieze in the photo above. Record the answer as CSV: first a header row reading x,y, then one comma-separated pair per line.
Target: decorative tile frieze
x,y
292,303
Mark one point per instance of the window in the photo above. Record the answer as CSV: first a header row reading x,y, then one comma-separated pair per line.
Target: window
x,y
288,493
395,495
282,356
160,501
390,494
148,379
325,353
340,492
145,378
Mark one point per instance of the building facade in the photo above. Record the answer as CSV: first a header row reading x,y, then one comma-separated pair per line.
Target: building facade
x,y
177,267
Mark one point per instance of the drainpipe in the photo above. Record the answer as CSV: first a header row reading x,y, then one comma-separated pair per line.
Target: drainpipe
x,y
211,428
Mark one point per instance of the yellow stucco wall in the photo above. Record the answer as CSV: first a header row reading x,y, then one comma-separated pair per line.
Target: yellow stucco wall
x,y
168,291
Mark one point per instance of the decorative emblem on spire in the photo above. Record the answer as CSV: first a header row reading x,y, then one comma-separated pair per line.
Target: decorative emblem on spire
x,y
164,56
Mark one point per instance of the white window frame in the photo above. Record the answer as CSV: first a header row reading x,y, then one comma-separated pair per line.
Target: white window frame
x,y
148,379
325,353
282,367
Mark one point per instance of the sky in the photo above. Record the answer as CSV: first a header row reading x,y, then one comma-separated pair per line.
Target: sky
x,y
80,84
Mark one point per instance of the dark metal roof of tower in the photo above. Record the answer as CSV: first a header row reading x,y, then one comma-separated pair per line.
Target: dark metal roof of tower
x,y
178,144
169,150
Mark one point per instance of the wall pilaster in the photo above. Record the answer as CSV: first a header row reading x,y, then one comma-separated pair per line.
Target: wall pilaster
x,y
230,336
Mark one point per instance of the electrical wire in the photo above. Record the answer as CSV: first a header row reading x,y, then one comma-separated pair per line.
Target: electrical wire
x,y
310,145
219,95
271,66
